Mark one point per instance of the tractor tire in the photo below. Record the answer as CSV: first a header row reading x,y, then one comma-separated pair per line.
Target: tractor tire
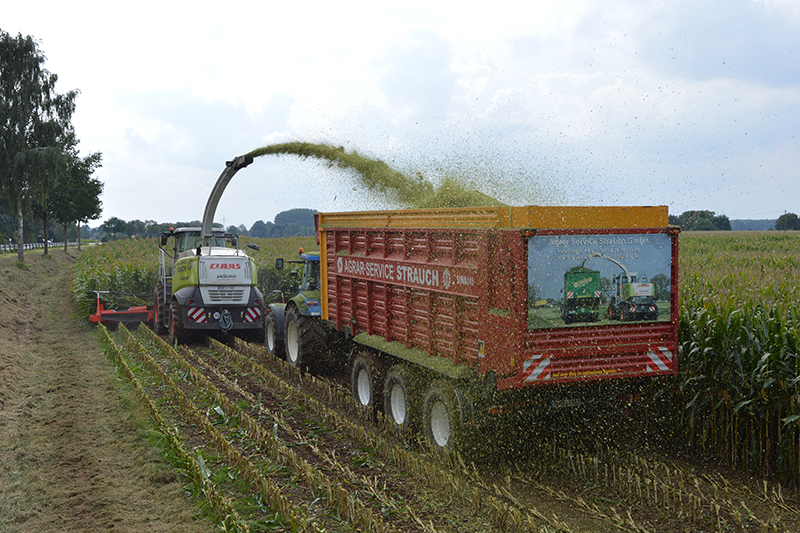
x,y
274,344
176,329
400,402
305,339
364,376
441,418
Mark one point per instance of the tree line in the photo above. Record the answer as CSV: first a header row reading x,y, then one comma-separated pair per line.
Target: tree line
x,y
710,221
42,174
290,223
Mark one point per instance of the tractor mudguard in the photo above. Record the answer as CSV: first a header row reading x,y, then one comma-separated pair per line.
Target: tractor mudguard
x,y
308,303
279,311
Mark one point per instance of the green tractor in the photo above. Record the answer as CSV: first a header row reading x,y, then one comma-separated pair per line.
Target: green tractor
x,y
293,329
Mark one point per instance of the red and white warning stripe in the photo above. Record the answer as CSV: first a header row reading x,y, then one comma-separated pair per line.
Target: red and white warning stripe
x,y
536,368
197,315
570,294
660,359
252,314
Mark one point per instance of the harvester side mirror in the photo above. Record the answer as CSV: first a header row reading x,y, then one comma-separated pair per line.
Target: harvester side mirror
x,y
164,240
279,263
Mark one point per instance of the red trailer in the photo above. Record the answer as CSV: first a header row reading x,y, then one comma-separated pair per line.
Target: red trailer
x,y
447,308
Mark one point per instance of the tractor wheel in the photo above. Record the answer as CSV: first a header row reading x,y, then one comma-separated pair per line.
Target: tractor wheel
x,y
176,329
400,403
305,339
441,417
273,343
364,376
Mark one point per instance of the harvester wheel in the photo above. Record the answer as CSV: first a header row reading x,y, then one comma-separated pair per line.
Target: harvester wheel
x,y
400,403
305,339
176,330
158,312
441,417
274,344
364,376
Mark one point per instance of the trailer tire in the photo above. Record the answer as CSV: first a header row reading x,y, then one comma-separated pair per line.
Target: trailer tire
x,y
364,375
304,339
400,403
441,417
274,344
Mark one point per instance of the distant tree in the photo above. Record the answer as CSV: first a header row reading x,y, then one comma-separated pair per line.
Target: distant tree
x,y
135,228
32,116
787,221
261,230
701,221
302,217
76,197
45,167
239,230
661,288
115,227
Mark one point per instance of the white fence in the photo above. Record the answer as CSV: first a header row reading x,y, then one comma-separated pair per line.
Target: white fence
x,y
32,245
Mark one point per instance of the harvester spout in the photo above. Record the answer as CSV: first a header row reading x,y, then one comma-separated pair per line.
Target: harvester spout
x,y
231,168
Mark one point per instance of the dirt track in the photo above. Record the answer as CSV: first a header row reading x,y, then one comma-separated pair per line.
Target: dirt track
x,y
72,458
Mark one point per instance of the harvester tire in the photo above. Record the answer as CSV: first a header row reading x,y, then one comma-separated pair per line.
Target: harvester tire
x,y
441,417
176,330
158,310
304,338
400,403
274,344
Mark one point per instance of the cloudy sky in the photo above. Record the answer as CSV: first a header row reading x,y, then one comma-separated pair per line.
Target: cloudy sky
x,y
694,105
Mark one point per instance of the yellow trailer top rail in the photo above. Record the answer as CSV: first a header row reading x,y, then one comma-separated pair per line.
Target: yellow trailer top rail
x,y
540,217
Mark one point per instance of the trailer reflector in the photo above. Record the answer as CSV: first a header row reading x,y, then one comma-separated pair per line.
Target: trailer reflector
x,y
536,368
661,359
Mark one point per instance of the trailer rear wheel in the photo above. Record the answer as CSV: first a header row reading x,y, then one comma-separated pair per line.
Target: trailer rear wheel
x,y
399,403
363,377
274,344
441,417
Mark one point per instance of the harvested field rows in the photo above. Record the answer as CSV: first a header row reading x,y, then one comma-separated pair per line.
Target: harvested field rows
x,y
267,447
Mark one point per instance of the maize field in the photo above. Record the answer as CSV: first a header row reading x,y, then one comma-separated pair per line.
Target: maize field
x,y
739,386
